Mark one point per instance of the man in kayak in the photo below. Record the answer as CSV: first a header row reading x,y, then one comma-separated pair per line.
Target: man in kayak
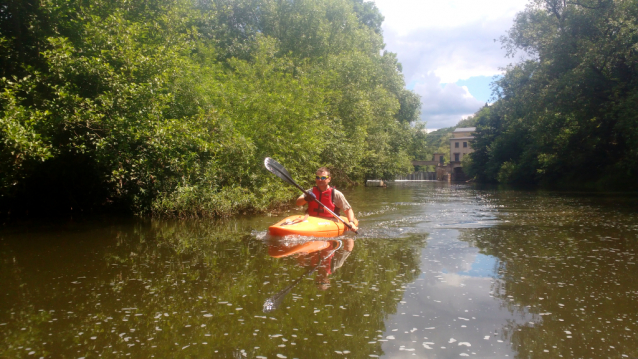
x,y
329,196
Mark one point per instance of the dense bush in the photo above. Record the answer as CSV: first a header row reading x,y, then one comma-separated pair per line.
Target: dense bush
x,y
170,106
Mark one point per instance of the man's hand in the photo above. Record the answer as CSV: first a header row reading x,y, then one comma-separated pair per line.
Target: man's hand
x,y
353,226
309,196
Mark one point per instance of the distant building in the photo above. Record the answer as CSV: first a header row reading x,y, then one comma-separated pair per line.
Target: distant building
x,y
460,146
460,143
439,159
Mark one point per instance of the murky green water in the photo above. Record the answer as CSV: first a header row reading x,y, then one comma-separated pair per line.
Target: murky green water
x,y
438,271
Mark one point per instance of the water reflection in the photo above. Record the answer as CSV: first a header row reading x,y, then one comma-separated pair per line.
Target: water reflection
x,y
325,257
580,289
439,271
450,311
153,288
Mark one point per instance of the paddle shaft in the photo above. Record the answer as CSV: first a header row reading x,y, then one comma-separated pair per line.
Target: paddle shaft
x,y
334,214
328,209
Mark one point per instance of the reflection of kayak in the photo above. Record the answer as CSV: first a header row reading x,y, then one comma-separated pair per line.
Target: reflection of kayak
x,y
308,226
279,250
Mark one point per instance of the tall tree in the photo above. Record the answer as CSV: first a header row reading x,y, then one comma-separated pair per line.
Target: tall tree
x,y
169,106
567,113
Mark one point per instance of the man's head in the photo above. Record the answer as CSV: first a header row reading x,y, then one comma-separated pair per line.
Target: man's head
x,y
322,178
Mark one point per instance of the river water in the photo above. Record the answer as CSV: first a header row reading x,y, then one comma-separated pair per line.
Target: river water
x,y
438,271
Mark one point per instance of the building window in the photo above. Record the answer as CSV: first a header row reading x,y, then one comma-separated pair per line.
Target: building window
x,y
464,144
456,155
456,145
441,159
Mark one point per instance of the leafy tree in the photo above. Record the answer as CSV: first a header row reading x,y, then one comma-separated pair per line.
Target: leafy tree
x,y
170,106
566,113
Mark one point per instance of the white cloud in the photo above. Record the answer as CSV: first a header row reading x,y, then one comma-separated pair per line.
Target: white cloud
x,y
444,106
447,41
452,54
404,16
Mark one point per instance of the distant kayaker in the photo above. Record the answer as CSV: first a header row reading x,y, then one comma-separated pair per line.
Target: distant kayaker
x,y
329,196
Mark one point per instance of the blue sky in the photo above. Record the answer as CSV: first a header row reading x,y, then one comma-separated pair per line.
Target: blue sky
x,y
448,51
478,86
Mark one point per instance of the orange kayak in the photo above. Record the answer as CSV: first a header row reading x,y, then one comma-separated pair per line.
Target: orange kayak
x,y
310,226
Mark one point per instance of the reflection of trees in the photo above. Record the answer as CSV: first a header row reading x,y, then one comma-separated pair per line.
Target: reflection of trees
x,y
153,288
570,270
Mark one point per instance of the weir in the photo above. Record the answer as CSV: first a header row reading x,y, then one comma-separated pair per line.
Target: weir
x,y
417,176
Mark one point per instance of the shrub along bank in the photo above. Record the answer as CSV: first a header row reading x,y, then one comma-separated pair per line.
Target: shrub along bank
x,y
567,115
170,106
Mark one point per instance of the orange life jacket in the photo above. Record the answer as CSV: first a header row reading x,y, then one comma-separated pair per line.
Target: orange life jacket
x,y
327,198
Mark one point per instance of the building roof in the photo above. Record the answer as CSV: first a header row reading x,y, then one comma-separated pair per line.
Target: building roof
x,y
465,129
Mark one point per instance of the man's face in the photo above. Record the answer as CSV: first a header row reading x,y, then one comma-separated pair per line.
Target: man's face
x,y
322,183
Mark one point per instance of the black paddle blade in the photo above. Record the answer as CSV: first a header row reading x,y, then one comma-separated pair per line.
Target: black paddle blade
x,y
278,170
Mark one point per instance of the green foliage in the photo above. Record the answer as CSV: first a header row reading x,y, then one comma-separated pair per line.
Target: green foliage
x,y
170,106
419,148
568,114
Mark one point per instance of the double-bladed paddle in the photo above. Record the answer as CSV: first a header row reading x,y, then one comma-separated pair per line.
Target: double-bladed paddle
x,y
278,170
